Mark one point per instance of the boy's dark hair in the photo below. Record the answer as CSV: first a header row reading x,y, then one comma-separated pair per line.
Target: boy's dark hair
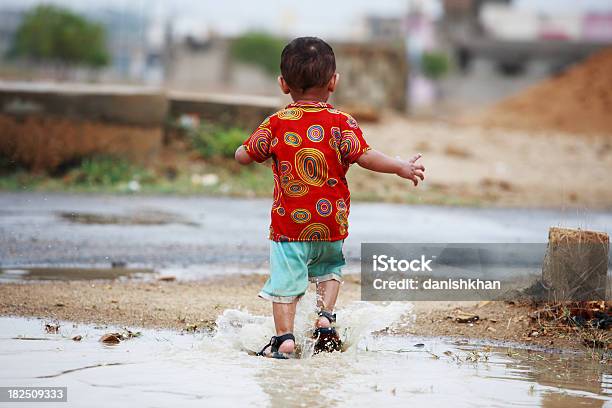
x,y
307,62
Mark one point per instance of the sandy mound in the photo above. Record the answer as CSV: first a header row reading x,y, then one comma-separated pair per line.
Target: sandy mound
x,y
577,101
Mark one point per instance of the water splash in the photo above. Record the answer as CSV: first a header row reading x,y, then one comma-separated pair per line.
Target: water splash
x,y
240,330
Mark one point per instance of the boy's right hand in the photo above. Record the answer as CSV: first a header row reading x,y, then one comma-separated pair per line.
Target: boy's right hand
x,y
412,171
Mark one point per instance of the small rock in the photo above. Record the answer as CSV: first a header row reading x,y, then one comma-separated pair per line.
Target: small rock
x,y
111,338
491,329
419,345
59,305
52,328
77,338
209,179
167,278
134,186
463,317
191,327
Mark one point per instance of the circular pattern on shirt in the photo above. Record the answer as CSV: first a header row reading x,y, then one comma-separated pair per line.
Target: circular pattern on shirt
x,y
311,166
292,139
341,218
277,193
280,211
336,134
285,178
315,232
341,205
349,143
274,142
342,229
300,215
351,122
324,207
333,144
285,167
332,182
261,142
290,114
315,133
295,188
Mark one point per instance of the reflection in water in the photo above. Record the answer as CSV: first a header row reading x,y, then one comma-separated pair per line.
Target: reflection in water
x,y
561,400
564,372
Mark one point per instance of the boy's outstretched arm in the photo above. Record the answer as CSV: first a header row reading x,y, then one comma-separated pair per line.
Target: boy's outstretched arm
x,y
381,163
242,156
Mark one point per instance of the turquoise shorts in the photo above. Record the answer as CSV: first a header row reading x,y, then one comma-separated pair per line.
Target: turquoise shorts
x,y
293,264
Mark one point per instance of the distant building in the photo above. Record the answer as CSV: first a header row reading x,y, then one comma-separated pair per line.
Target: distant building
x,y
133,52
384,29
9,23
133,42
597,27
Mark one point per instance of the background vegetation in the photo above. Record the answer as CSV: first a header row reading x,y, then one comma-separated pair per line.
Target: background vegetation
x,y
435,64
260,49
54,34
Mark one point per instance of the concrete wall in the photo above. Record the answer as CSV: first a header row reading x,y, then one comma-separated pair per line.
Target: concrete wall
x,y
124,105
231,110
373,75
43,126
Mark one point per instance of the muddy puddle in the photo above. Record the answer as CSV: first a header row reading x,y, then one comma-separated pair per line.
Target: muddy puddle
x,y
140,217
73,274
123,271
163,368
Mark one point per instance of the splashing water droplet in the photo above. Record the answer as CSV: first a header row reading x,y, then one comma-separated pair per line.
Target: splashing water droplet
x,y
240,330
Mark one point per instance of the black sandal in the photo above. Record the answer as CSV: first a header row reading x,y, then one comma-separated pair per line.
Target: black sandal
x,y
327,339
274,343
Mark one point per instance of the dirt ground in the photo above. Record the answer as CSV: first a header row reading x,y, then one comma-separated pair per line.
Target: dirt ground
x,y
181,305
476,165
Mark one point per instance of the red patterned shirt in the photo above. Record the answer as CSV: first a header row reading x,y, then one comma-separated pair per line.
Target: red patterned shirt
x,y
312,146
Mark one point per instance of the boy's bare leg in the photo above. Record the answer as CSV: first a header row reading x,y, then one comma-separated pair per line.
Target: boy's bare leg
x,y
327,294
284,316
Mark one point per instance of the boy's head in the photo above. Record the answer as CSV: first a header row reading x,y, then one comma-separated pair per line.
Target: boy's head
x,y
308,68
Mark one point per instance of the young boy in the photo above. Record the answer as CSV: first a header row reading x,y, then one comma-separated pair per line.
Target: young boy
x,y
312,146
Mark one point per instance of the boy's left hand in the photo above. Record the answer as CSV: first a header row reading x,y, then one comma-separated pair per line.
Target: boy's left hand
x,y
412,171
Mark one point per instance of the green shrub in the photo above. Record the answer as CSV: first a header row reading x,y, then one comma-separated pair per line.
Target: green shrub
x,y
109,171
55,33
215,140
258,48
435,64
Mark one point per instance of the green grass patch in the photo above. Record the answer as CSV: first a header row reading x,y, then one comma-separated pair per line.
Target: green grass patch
x,y
214,141
107,171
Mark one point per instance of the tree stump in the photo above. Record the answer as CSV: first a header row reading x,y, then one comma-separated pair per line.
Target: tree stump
x,y
576,265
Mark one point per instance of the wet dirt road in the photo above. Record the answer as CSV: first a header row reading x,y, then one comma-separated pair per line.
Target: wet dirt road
x,y
82,229
163,368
